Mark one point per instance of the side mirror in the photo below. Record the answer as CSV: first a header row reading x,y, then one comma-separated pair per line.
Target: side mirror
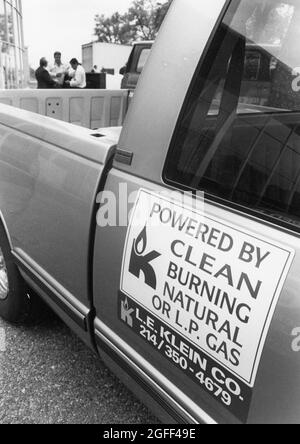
x,y
123,70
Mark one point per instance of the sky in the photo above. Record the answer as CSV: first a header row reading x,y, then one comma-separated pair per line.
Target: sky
x,y
63,25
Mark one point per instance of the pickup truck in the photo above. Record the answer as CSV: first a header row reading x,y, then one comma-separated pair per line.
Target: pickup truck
x,y
171,245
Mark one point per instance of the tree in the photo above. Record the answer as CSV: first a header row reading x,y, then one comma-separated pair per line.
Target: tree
x,y
146,17
114,29
141,22
161,13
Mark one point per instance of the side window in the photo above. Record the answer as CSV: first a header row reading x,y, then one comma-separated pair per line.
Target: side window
x,y
238,136
142,60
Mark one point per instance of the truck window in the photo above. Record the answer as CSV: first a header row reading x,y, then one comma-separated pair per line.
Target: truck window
x,y
142,60
239,140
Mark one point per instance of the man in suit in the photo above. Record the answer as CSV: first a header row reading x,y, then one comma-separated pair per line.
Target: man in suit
x,y
43,77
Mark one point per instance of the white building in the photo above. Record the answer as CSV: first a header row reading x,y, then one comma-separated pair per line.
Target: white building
x,y
109,56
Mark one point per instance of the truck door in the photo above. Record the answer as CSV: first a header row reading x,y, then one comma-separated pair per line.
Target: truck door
x,y
197,296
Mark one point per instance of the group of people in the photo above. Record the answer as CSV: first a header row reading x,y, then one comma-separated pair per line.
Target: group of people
x,y
60,75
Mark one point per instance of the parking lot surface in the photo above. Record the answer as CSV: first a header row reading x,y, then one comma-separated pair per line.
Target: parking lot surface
x,y
47,376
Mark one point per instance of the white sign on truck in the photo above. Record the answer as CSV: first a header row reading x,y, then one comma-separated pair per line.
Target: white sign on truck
x,y
213,284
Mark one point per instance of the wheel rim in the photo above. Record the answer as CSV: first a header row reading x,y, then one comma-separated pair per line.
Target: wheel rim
x,y
4,288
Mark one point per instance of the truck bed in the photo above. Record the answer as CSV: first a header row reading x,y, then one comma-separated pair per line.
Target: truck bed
x,y
88,108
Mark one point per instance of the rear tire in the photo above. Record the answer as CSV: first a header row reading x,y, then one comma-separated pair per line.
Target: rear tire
x,y
18,304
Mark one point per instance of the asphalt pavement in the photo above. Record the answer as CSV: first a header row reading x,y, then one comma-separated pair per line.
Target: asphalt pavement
x,y
48,376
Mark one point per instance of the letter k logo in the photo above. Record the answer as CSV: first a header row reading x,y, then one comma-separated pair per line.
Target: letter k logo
x,y
140,263
126,313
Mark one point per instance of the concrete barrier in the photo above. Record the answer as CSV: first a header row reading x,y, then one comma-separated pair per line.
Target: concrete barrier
x,y
88,108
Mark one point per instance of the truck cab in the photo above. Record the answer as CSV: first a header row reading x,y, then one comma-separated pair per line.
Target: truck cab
x,y
171,246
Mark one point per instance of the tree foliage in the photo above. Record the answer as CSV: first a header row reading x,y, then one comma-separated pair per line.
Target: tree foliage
x,y
114,29
141,22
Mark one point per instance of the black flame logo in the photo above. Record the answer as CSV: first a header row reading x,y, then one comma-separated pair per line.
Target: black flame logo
x,y
140,263
126,305
141,242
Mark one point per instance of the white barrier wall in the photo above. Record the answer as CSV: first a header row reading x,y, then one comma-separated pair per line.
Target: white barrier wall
x,y
88,108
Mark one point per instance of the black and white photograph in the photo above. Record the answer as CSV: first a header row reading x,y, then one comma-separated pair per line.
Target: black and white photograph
x,y
149,215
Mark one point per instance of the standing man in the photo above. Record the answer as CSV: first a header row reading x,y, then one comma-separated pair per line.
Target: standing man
x,y
59,70
45,81
79,78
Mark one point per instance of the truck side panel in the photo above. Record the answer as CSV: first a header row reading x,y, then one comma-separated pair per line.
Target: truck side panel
x,y
50,172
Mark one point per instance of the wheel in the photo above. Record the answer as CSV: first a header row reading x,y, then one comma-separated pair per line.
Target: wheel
x,y
18,303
